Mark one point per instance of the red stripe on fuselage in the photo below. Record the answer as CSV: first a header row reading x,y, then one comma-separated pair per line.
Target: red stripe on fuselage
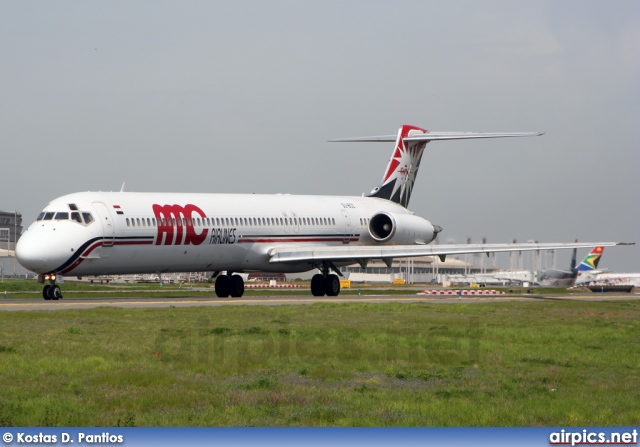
x,y
146,242
97,244
297,239
80,259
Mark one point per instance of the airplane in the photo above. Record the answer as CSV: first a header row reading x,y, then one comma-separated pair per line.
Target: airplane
x,y
113,233
563,278
598,279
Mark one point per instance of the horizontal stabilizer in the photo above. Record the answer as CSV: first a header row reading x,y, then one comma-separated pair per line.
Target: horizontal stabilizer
x,y
431,136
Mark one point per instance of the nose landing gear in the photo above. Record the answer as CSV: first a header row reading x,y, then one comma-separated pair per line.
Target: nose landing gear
x,y
51,291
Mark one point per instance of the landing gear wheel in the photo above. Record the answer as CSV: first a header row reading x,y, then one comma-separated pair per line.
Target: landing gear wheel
x,y
332,285
236,286
45,292
222,286
317,285
55,293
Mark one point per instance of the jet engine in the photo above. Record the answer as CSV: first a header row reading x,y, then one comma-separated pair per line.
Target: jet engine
x,y
402,229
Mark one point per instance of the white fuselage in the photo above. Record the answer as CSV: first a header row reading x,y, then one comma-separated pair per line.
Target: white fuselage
x,y
129,233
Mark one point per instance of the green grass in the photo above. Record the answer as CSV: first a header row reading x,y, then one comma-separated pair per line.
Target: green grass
x,y
488,364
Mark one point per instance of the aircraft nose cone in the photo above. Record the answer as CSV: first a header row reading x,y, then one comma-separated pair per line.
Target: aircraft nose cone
x,y
30,253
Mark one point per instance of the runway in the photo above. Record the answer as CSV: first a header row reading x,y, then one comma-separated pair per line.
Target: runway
x,y
280,300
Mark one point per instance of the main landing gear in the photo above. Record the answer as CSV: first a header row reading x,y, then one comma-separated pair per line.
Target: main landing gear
x,y
229,285
51,291
326,283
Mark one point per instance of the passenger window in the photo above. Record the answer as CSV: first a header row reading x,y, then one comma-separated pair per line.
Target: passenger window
x,y
62,216
127,221
75,216
87,217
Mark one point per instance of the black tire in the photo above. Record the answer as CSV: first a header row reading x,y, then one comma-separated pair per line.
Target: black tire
x,y
45,292
332,285
222,286
55,293
236,286
317,285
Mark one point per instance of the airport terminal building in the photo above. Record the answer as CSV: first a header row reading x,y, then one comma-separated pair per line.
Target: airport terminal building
x,y
423,269
10,229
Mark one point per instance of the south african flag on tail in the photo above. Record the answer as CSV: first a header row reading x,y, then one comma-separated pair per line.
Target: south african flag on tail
x,y
590,262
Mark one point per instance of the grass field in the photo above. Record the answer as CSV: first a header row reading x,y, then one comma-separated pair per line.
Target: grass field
x,y
485,364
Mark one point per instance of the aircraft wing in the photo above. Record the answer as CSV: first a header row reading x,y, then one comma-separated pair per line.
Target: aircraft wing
x,y
358,253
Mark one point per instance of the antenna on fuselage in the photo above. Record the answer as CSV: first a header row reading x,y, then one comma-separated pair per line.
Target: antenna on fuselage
x,y
122,189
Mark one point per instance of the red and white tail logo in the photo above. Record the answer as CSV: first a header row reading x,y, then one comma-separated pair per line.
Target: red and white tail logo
x,y
400,175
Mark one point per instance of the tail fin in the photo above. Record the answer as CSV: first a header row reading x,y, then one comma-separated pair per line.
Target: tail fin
x,y
572,267
590,262
400,175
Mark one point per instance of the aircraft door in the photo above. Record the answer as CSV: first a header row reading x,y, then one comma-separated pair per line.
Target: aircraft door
x,y
288,222
347,227
296,223
108,228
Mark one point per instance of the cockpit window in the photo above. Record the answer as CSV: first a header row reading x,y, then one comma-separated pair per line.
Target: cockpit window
x,y
62,216
75,216
40,216
48,216
73,207
88,218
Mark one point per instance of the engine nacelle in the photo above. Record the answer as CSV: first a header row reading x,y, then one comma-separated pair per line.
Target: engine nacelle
x,y
401,229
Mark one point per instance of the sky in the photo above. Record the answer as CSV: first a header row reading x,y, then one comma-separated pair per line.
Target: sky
x,y
242,96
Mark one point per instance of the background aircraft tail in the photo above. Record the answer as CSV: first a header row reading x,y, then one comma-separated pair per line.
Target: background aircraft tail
x,y
590,262
572,268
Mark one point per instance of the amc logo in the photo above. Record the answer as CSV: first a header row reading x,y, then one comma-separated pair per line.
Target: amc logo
x,y
175,225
